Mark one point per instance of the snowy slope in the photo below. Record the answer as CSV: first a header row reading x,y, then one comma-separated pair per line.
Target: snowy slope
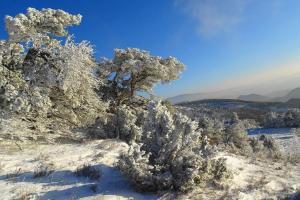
x,y
252,178
62,184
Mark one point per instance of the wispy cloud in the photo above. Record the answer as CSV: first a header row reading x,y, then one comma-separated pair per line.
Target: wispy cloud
x,y
214,16
219,16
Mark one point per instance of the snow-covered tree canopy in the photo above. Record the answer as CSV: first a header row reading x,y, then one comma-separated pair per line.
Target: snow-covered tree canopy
x,y
42,74
40,25
134,70
55,75
10,54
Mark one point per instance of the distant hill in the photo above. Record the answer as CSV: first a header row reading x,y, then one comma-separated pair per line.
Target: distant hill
x,y
254,97
278,93
199,96
187,97
275,96
293,102
293,94
225,94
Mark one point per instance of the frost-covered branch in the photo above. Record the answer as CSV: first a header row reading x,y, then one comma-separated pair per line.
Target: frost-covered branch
x,y
39,26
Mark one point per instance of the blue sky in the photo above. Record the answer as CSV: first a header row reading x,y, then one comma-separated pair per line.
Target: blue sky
x,y
220,41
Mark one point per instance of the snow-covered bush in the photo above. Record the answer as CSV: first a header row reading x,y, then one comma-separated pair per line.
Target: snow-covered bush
x,y
288,119
212,128
173,154
228,131
235,133
292,118
273,120
126,124
265,146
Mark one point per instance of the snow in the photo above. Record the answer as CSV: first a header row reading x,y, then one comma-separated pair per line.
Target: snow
x,y
62,183
287,138
253,178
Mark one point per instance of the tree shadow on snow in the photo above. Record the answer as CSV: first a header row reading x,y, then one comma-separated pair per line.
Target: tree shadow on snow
x,y
111,182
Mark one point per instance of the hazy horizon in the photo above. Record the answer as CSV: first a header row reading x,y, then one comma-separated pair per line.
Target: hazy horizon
x,y
284,77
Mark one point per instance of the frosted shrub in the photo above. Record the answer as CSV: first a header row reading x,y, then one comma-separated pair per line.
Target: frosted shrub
x,y
265,146
273,120
126,124
135,165
256,144
173,154
292,118
288,119
230,133
212,128
235,135
207,124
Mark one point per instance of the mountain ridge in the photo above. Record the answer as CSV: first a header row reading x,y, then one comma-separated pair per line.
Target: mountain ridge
x,y
291,94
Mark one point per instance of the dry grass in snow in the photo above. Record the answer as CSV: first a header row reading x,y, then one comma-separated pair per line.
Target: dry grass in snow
x,y
50,172
86,171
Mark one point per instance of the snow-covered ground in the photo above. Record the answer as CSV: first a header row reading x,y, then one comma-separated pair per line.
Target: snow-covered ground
x,y
62,183
261,179
252,178
287,138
